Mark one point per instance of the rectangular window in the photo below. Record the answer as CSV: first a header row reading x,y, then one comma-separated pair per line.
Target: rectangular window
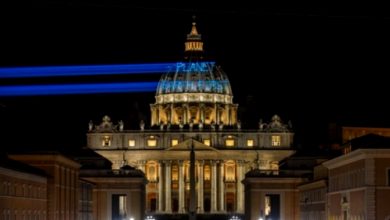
x,y
229,143
174,142
131,143
152,142
249,143
206,142
276,140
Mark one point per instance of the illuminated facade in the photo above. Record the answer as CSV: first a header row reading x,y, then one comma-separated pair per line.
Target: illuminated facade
x,y
194,108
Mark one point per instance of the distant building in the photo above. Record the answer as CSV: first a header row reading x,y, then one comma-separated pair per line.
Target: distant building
x,y
23,190
52,186
359,185
349,133
354,185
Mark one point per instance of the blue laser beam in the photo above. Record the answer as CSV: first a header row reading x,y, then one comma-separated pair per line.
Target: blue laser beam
x,y
68,89
51,71
17,72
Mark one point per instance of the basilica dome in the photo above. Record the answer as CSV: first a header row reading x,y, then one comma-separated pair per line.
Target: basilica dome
x,y
194,91
194,82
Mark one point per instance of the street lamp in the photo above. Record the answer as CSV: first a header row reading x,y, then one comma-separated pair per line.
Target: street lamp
x,y
149,217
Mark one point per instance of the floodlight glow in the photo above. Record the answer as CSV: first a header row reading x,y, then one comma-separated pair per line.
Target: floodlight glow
x,y
65,89
86,70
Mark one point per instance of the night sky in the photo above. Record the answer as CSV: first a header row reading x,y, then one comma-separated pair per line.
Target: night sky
x,y
313,66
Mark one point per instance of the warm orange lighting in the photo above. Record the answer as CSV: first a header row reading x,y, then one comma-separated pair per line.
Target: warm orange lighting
x,y
229,143
276,140
249,143
175,142
207,172
152,143
207,142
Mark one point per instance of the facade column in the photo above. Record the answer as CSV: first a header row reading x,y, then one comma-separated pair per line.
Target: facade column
x,y
200,186
217,114
183,116
157,116
168,187
240,186
201,109
160,187
172,115
188,114
227,114
213,186
181,188
160,110
221,187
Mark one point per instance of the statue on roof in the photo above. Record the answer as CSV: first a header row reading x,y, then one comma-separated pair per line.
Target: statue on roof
x,y
200,125
212,125
90,125
121,125
277,125
106,125
161,125
142,125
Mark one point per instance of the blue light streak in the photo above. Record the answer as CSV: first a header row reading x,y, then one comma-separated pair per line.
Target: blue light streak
x,y
50,71
68,89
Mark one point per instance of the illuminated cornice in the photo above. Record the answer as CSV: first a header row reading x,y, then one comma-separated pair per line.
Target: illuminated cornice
x,y
194,97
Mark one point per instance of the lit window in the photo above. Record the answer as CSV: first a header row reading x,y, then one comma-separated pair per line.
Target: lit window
x,y
230,173
207,173
276,140
106,141
131,143
175,173
175,142
152,173
206,142
229,143
152,142
249,143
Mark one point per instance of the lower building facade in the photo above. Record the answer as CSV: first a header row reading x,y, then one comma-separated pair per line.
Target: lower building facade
x,y
359,185
223,157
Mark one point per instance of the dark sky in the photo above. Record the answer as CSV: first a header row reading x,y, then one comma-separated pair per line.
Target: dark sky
x,y
313,66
